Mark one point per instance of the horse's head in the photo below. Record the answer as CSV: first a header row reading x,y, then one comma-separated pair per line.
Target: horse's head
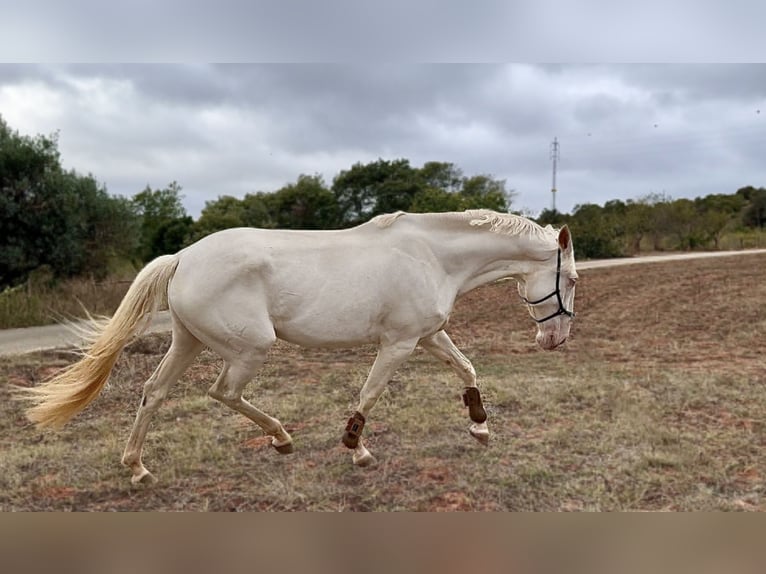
x,y
549,291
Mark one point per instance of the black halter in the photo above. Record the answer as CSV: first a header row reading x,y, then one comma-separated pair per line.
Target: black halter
x,y
557,293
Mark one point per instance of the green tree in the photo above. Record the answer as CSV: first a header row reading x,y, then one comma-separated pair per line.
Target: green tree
x,y
163,221
26,167
434,200
661,218
552,217
441,175
171,236
595,231
382,186
717,213
638,223
755,212
305,204
386,186
258,211
615,213
101,227
684,224
222,213
747,192
49,216
485,192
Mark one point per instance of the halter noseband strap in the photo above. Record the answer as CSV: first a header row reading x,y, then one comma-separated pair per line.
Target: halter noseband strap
x,y
557,293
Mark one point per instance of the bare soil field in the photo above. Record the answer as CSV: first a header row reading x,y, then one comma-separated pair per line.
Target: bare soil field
x,y
657,402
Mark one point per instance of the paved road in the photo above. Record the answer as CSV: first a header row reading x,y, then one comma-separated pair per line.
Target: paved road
x,y
598,263
31,339
47,337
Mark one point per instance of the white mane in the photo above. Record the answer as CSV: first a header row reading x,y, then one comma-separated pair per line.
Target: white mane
x,y
508,223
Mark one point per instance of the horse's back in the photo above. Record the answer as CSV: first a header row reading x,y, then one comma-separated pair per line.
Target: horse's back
x,y
244,249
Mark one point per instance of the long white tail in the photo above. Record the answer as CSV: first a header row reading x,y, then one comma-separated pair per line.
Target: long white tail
x,y
60,398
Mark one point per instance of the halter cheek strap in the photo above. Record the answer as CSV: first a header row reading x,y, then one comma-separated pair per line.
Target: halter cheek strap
x,y
556,293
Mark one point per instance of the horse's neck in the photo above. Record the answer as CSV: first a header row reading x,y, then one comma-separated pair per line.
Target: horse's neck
x,y
476,256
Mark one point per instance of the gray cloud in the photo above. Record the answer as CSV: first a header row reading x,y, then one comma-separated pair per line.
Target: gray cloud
x,y
699,81
625,130
260,30
372,31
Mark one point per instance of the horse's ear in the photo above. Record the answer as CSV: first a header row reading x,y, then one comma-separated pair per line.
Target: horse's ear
x,y
565,238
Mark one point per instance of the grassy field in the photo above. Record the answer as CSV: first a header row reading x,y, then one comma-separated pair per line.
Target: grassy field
x,y
658,402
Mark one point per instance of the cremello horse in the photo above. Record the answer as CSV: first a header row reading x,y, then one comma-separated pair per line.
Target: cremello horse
x,y
392,281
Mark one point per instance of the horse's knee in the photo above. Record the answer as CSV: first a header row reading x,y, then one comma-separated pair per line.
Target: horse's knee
x,y
151,401
465,368
153,392
225,397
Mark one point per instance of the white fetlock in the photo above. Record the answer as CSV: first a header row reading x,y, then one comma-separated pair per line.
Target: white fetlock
x,y
362,456
480,432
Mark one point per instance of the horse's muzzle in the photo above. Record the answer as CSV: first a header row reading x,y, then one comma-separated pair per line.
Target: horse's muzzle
x,y
548,342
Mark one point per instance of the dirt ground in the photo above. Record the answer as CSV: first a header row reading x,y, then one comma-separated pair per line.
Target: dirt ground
x,y
657,402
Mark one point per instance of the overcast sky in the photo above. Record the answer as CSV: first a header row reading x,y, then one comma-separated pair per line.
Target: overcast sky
x,y
624,130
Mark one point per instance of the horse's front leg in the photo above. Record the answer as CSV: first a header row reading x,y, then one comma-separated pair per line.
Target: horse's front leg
x,y
441,346
390,357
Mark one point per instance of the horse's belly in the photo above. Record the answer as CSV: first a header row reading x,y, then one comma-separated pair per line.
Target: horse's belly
x,y
352,325
324,334
309,339
344,323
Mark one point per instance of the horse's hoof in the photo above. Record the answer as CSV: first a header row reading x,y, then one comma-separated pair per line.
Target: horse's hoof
x,y
286,448
144,477
480,433
364,460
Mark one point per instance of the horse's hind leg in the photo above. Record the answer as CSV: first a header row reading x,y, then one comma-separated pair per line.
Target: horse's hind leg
x,y
228,390
442,347
183,350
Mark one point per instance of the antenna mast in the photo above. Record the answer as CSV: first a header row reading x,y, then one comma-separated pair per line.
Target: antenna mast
x,y
555,158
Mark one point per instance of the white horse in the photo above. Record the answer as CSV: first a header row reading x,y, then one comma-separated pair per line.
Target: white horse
x,y
392,281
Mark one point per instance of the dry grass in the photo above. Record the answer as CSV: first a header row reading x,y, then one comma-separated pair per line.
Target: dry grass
x,y
44,302
657,403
